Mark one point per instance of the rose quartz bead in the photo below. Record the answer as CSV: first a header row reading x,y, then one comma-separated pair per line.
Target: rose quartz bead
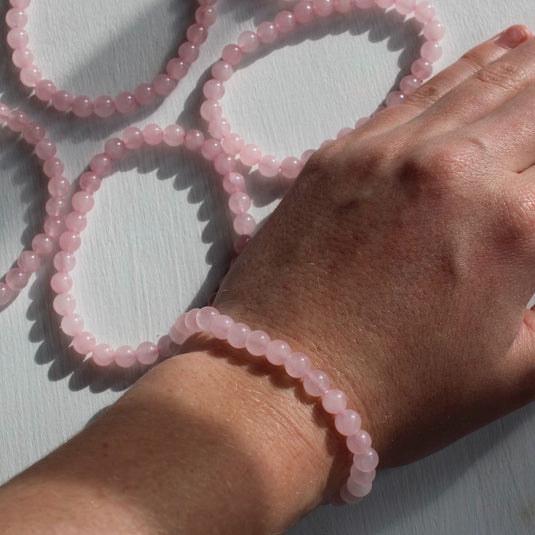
x,y
17,120
30,75
62,100
173,135
6,294
177,68
75,222
103,355
5,113
244,224
224,163
58,186
267,32
405,7
297,365
64,261
232,144
362,478
359,491
431,51
166,347
152,134
220,326
334,401
104,106
213,89
23,57
190,321
164,85
53,167
125,102
219,128
434,30
210,110
133,137
257,342
56,206
90,182
114,148
237,335
83,201
194,139
359,442
424,12
42,244
147,353
285,22
82,106
268,166
211,149
72,324
248,42
364,4
323,8
17,279
232,54
422,69
17,38
83,342
304,12
33,133
125,356
316,383
205,317
240,243
16,18
366,462
222,71
205,15
19,4
233,182
347,497
239,202
53,226
101,165
385,4
188,52
343,6
61,282
250,155
44,90
197,34
395,98
45,149
277,352
144,94
29,261
347,422
290,167
176,336
409,84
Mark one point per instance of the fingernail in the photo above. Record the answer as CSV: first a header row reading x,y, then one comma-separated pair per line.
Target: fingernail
x,y
512,37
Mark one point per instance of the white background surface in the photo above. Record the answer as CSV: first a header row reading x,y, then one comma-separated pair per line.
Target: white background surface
x,y
158,238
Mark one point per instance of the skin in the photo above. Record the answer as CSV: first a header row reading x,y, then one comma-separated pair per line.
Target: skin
x,y
401,262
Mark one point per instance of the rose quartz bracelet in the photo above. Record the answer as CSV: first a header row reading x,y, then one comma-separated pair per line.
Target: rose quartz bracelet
x,y
298,366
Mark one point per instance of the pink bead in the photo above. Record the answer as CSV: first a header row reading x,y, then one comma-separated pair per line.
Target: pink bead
x,y
6,294
114,148
125,102
297,365
250,155
101,165
244,224
194,139
16,18
20,4
239,202
422,69
409,84
224,163
323,8
30,75
219,128
361,478
210,110
359,442
304,12
179,332
64,261
53,167
347,422
103,355
152,134
431,51
17,279
83,342
424,12
347,497
232,54
75,222
173,135
72,324
434,30
144,94
61,282
5,113
248,42
205,316
405,7
257,342
147,353
56,207
58,186
53,226
164,85
18,120
364,4
104,106
45,149
240,243
166,347
29,261
220,326
213,89
133,137
237,335
177,68
188,52
190,321
232,144
82,106
83,201
90,182
366,462
316,383
197,34
125,356
222,71
42,244
33,133
62,100
267,32
211,149
359,491
290,167
343,6
277,352
205,15
285,22
334,401
269,166
23,57
385,4
233,182
45,90
17,38
395,98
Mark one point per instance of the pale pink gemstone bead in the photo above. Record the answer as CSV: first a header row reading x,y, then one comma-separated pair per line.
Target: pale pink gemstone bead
x,y
334,401
114,148
16,18
347,497
173,135
205,15
6,294
75,222
83,342
205,317
53,226
17,38
267,32
347,422
125,102
29,261
197,34
82,106
18,120
222,71
219,128
42,244
248,42
359,442
269,166
239,202
210,149
220,326
30,75
194,139
232,54
177,68
104,106
213,89
277,352
422,69
232,144
409,84
164,85
424,12
33,133
20,4
64,261
64,304
360,477
83,201
323,8
58,186
250,155
103,355
224,163
56,206
90,182
240,243
101,164
364,4
233,182
125,356
237,335
61,282
23,57
176,336
285,22
304,12
144,94
133,137
359,491
244,224
316,383
45,149
405,7
434,30
147,353
190,321
343,6
17,279
166,347
5,113
211,110
290,167
152,134
72,324
385,4
257,342
431,51
366,462
395,98
53,167
62,100
189,52
297,365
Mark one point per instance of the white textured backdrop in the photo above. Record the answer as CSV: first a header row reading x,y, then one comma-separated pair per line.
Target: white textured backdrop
x,y
158,238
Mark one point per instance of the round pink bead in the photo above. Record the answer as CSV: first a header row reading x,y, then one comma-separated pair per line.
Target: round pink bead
x,y
5,113
17,38
205,317
72,324
359,442
45,149
405,7
347,422
290,167
431,51
277,352
90,182
219,128
323,8
173,135
240,243
395,98
75,222
189,52
316,383
205,15
30,75
224,163
19,4
409,84
164,85
144,94
125,356
58,186
334,401
304,12
297,365
23,57
250,155
194,139
257,342
434,30
190,321
244,224
33,133
42,244
64,304
343,6
101,164
362,478
179,332
6,294
17,279
213,89
385,4
61,282
267,32
284,22
422,69
233,182
53,226
16,18
166,347
220,326
133,137
222,71
53,167
211,149
62,100
237,335
83,342
197,34
64,261
232,144
424,12
18,120
239,202
152,134
104,106
114,148
29,261
103,355
147,353
211,110
177,68
56,206
359,491
269,166
82,106
232,54
83,201
125,102
248,42
366,462
347,497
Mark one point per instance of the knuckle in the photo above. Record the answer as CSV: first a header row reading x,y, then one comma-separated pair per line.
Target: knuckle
x,y
502,74
424,96
517,216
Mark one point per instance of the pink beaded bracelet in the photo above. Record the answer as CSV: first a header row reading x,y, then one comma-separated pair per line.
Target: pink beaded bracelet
x,y
316,383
